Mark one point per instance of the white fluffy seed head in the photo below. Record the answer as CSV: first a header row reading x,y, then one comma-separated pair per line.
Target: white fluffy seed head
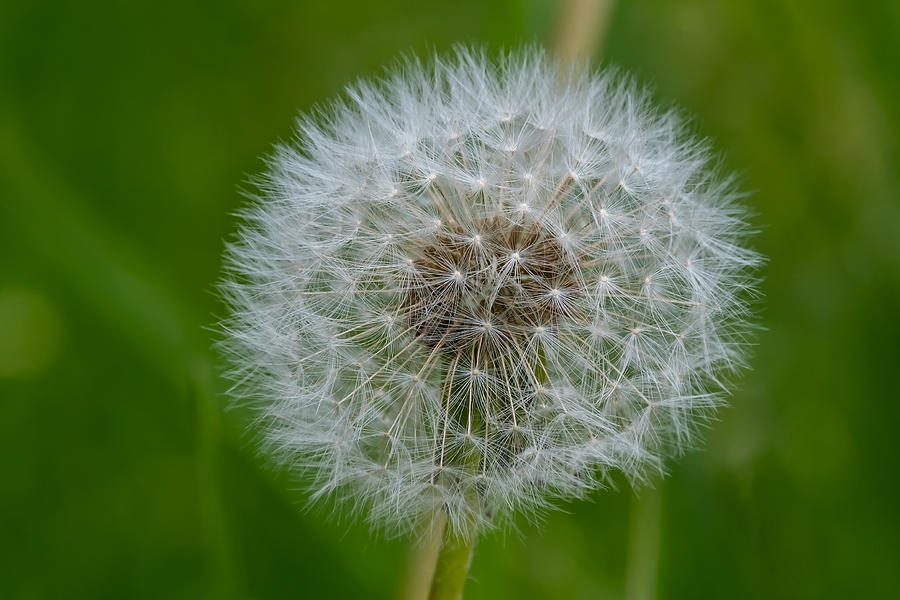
x,y
477,286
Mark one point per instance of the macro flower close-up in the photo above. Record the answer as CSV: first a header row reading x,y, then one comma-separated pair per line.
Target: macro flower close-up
x,y
408,300
473,286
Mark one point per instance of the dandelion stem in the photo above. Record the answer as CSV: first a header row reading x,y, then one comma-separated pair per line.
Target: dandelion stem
x,y
423,557
643,546
452,567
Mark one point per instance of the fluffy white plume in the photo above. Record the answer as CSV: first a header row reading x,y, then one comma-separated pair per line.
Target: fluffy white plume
x,y
476,286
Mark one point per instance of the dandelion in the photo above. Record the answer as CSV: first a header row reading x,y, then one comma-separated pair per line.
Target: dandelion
x,y
475,287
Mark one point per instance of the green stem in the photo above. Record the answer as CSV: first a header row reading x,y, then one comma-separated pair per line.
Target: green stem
x,y
643,545
452,567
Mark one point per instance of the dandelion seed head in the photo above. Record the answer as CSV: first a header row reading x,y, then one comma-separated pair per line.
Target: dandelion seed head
x,y
479,286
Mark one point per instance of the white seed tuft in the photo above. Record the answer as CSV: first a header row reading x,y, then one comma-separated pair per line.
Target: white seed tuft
x,y
458,290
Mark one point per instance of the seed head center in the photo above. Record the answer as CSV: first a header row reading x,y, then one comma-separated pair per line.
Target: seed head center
x,y
488,297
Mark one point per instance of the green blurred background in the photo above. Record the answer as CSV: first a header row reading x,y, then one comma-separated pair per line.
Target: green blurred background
x,y
126,130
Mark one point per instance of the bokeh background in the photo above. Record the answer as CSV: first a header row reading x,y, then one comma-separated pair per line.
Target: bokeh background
x,y
126,132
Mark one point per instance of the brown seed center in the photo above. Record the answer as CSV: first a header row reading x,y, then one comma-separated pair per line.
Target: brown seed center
x,y
500,279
